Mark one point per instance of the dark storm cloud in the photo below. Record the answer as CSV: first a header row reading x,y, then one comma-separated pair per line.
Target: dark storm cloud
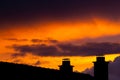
x,y
29,10
114,71
41,50
89,49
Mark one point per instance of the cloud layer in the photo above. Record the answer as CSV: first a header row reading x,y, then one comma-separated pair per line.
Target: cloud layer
x,y
88,49
15,39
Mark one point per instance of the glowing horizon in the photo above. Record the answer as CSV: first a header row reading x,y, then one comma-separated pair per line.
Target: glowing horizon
x,y
64,32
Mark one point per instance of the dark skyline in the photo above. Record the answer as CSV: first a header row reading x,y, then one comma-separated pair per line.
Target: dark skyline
x,y
21,71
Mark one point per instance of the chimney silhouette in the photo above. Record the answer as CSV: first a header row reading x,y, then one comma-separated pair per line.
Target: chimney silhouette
x,y
101,68
66,67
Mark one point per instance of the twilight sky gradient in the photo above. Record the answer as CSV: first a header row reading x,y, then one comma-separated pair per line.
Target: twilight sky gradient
x,y
43,32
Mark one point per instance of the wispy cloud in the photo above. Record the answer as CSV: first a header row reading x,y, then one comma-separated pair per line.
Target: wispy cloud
x,y
47,40
15,39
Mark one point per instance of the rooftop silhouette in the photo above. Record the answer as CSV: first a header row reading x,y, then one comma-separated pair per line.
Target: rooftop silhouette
x,y
27,72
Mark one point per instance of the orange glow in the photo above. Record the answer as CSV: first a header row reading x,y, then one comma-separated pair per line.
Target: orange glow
x,y
61,31
67,30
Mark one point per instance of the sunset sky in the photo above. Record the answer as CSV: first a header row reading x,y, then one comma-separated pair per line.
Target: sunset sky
x,y
43,32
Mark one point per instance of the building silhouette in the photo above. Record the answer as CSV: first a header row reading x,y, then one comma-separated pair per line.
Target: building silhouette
x,y
66,66
100,68
26,72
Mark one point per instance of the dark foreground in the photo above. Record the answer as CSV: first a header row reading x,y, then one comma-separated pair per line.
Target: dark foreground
x,y
12,71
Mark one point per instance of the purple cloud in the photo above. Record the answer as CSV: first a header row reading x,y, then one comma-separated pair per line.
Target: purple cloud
x,y
91,49
47,40
88,49
41,49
